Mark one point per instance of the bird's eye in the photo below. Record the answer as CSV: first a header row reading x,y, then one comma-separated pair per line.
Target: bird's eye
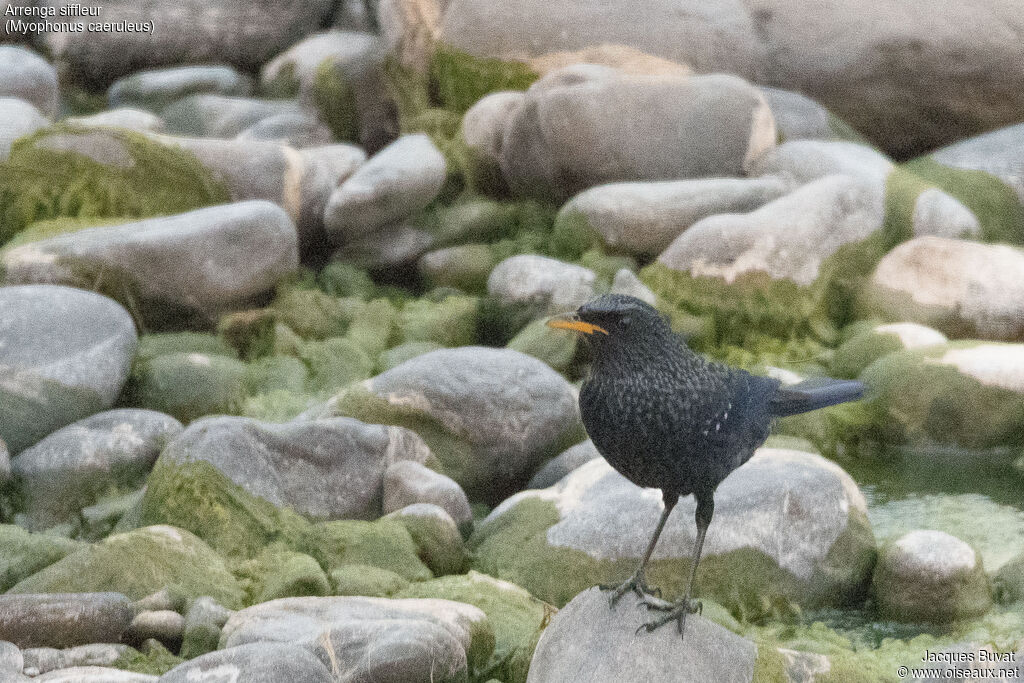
x,y
625,320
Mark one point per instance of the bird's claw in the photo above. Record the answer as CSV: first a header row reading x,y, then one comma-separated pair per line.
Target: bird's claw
x,y
635,583
674,611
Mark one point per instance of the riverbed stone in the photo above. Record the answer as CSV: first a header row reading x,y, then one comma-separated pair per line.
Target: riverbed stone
x,y
72,467
46,659
437,537
18,118
23,554
95,674
203,621
121,117
63,619
258,662
996,153
871,342
155,89
29,77
407,482
65,355
930,576
296,129
217,116
544,285
562,464
557,541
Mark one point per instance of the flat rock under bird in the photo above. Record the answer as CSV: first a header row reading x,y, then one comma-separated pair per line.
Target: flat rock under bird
x,y
668,418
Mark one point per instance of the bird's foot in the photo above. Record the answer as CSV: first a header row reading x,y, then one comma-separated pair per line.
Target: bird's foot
x,y
674,611
636,583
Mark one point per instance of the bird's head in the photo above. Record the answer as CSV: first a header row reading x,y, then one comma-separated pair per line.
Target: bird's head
x,y
615,321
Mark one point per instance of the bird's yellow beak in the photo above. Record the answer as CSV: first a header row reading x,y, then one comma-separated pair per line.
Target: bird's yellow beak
x,y
571,321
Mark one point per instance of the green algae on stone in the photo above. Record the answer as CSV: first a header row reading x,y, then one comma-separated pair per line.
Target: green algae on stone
x,y
198,497
51,174
312,314
277,406
272,374
374,326
139,563
551,346
518,618
449,322
335,363
156,662
461,79
280,573
22,553
364,579
438,541
345,280
161,344
188,385
384,543
397,355
572,235
54,227
335,100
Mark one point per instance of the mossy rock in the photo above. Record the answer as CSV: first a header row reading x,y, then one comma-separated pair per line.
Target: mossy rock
x,y
364,579
346,280
335,363
274,374
518,618
278,406
280,573
312,314
157,661
22,554
198,497
384,543
161,344
54,227
461,79
396,356
66,171
549,345
924,395
374,326
139,563
188,385
464,267
438,539
335,100
450,322
870,342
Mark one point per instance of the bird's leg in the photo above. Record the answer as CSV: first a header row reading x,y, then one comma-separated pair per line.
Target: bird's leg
x,y
637,582
679,610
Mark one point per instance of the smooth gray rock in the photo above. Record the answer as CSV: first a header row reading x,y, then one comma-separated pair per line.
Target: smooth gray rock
x,y
63,619
46,659
185,32
762,510
27,76
930,576
203,621
562,464
155,89
437,536
325,469
165,626
644,217
298,65
484,124
11,659
217,116
18,118
389,248
198,263
802,161
589,641
576,129
396,182
506,410
297,129
391,641
545,285
999,152
962,288
798,116
407,482
95,674
787,238
253,663
626,282
64,354
898,73
122,117
72,467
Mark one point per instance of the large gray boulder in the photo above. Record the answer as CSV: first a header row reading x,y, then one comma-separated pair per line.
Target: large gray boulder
x,y
187,32
64,354
391,641
490,416
583,126
18,118
962,288
253,663
72,467
198,263
325,469
396,182
156,88
543,285
789,528
41,660
930,576
26,75
897,73
588,641
63,619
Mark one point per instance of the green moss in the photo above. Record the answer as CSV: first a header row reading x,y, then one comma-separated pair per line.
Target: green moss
x,y
449,322
335,99
313,314
277,406
280,573
769,667
335,363
551,346
392,358
461,79
153,345
994,202
198,497
438,541
346,280
465,267
188,385
363,579
572,236
374,326
385,543
861,351
22,554
139,563
156,662
147,179
517,618
273,374
1008,583
56,227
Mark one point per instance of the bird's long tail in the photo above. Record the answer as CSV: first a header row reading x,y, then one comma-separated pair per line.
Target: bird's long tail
x,y
814,393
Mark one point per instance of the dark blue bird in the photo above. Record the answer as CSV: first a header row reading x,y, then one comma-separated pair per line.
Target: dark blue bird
x,y
668,418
